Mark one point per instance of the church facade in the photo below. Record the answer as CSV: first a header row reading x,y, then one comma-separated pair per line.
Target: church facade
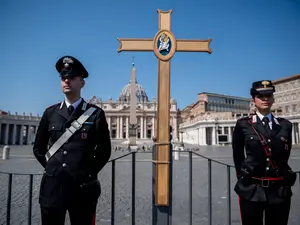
x,y
118,113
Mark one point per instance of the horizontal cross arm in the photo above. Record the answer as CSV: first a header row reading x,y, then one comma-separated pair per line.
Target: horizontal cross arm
x,y
135,44
193,46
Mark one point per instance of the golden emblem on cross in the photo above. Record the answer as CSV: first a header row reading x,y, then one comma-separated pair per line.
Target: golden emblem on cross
x,y
164,45
265,83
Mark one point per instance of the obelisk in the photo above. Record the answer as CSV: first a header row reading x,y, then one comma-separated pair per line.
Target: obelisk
x,y
132,118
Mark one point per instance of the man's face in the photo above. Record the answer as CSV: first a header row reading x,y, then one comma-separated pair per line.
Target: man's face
x,y
72,84
263,102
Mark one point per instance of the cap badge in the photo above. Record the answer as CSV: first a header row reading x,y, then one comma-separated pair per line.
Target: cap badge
x,y
67,61
265,83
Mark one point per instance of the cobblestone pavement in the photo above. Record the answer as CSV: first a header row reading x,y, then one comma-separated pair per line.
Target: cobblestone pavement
x,y
22,161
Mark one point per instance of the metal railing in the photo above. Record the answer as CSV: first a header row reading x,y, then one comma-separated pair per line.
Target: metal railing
x,y
133,189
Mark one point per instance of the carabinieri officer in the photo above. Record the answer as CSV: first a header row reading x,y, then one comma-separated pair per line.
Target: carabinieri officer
x,y
261,149
73,145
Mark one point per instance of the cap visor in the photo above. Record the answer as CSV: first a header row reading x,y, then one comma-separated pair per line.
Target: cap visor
x,y
267,92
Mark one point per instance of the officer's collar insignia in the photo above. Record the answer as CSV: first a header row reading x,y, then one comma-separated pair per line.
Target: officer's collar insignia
x,y
276,121
254,120
67,61
265,83
84,106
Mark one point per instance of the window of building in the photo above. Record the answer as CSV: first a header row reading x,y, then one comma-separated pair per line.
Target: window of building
x,y
294,108
287,109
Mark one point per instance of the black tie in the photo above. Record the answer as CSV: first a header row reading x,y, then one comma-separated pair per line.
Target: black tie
x,y
266,125
70,109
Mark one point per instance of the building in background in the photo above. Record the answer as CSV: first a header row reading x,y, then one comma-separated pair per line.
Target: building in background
x,y
213,104
214,115
118,112
287,96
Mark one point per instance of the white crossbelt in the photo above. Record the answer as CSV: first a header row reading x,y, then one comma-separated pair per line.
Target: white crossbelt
x,y
75,125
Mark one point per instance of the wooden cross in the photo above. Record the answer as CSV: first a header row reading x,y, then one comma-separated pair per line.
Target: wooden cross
x,y
164,46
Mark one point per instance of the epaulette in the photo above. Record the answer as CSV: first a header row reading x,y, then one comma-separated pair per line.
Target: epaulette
x,y
51,106
279,118
245,118
94,105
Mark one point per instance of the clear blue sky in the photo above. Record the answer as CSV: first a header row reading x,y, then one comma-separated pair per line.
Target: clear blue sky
x,y
251,40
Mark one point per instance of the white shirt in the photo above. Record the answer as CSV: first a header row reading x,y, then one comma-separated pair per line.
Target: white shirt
x,y
262,116
75,104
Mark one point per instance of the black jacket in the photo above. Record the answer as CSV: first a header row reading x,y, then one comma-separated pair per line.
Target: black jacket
x,y
79,160
250,158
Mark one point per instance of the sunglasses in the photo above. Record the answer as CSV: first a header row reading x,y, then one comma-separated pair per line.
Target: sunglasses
x,y
264,96
69,78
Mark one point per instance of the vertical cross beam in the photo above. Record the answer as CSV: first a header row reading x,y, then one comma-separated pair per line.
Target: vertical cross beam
x,y
164,45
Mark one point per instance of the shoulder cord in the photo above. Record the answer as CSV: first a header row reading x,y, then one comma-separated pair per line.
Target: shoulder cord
x,y
266,147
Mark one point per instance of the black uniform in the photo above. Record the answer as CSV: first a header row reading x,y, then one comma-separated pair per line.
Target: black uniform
x,y
264,176
70,180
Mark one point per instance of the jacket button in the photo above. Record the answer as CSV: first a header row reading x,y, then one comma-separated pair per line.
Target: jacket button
x,y
268,159
269,140
64,165
65,152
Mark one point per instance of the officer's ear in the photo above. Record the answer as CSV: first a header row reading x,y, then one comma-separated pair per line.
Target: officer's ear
x,y
82,82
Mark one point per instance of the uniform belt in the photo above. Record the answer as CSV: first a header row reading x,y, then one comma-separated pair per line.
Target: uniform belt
x,y
267,181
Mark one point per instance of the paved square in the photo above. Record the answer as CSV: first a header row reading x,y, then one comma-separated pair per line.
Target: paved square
x,y
22,161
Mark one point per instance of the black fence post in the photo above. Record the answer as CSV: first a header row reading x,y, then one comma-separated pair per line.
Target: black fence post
x,y
8,204
30,199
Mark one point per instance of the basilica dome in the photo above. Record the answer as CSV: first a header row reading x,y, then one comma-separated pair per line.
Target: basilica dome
x,y
141,95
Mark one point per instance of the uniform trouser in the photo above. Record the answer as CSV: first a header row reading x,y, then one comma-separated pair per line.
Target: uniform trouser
x,y
252,213
83,214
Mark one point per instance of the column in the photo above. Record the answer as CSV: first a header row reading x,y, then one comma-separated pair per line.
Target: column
x,y
14,137
223,130
28,134
21,135
127,127
6,134
213,136
293,134
118,127
109,124
145,127
198,135
153,126
142,127
175,138
296,133
204,136
121,127
229,135
34,133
